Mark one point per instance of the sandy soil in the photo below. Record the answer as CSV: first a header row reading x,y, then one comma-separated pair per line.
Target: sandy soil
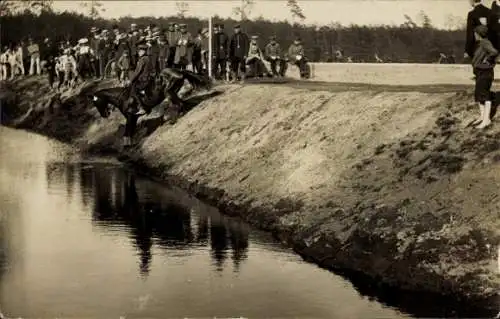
x,y
391,73
390,183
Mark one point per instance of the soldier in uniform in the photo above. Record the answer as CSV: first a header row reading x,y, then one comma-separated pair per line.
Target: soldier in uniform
x,y
133,40
479,15
162,52
183,49
273,54
172,37
220,46
97,46
238,52
141,79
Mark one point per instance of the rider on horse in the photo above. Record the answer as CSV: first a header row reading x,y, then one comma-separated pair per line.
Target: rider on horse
x,y
141,80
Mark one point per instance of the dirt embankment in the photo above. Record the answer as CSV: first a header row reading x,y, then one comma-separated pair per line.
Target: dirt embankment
x,y
392,185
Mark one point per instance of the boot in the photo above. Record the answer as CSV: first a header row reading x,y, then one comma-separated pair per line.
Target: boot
x,y
481,116
486,115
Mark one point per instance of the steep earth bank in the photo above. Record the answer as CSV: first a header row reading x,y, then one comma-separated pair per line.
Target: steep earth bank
x,y
392,186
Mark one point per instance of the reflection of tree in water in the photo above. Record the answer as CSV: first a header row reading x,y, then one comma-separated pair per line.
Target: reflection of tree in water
x,y
218,243
238,236
167,222
141,230
202,230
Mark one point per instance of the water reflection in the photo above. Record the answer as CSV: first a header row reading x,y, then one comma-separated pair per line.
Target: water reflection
x,y
150,218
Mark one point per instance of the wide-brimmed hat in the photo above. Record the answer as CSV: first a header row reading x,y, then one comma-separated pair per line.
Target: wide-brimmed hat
x,y
83,41
93,29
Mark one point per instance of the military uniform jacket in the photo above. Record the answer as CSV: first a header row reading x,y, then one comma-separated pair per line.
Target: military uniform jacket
x,y
142,73
221,45
183,51
477,16
239,46
97,46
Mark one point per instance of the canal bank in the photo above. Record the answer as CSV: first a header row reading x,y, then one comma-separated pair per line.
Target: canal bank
x,y
391,185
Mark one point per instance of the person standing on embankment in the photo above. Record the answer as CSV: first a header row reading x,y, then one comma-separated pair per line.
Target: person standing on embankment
x,y
479,15
483,63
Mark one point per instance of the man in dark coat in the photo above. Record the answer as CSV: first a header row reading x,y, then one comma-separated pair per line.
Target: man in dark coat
x,y
238,52
221,54
479,15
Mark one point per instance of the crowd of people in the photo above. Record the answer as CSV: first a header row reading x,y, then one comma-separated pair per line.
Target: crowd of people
x,y
115,52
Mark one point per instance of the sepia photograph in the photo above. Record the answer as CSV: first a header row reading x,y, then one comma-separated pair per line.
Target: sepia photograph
x,y
249,159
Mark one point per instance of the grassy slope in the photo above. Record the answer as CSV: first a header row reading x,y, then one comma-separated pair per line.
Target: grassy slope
x,y
391,184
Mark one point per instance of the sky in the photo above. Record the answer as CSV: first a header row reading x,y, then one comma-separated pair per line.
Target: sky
x,y
346,12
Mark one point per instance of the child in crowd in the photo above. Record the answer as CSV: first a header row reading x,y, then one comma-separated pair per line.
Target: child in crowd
x,y
123,66
66,69
483,63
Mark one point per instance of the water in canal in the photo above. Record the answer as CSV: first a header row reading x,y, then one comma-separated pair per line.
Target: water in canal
x,y
89,239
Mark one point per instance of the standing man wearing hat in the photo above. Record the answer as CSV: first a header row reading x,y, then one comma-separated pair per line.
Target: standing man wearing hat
x,y
221,54
154,52
107,49
97,46
132,41
172,37
238,50
183,53
479,15
141,78
85,55
163,49
199,42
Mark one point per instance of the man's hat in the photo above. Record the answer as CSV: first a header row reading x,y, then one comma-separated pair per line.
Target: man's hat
x,y
204,30
93,29
182,25
171,24
482,30
255,37
142,47
83,41
273,37
125,52
133,24
237,26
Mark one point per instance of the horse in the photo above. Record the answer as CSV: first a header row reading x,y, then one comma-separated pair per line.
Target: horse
x,y
171,81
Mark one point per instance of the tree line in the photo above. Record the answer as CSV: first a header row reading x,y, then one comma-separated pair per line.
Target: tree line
x,y
406,43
